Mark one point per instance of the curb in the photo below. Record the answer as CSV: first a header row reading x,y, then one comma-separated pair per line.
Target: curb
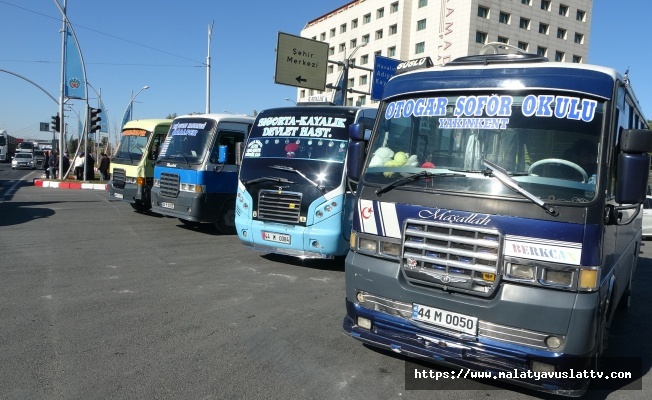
x,y
70,185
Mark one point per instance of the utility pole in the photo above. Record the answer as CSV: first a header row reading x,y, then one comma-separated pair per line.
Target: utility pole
x,y
208,70
62,124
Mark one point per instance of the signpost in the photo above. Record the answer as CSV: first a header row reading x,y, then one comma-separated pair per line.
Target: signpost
x,y
301,62
384,68
44,127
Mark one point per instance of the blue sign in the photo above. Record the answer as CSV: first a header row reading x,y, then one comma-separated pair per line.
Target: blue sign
x,y
384,68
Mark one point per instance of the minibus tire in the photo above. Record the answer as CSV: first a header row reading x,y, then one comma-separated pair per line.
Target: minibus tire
x,y
140,206
226,220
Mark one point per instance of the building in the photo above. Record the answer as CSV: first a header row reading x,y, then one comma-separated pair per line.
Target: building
x,y
444,30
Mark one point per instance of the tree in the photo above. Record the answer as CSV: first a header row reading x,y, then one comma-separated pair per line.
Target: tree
x,y
171,116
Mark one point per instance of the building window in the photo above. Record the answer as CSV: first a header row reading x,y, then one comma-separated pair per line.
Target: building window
x,y
351,61
483,12
502,39
559,56
544,28
365,39
362,100
523,46
542,51
362,80
393,30
391,52
331,51
545,5
322,36
354,23
421,25
581,15
393,8
423,3
351,82
379,34
364,60
378,53
526,2
342,47
342,28
353,43
577,59
380,13
420,47
524,23
579,38
561,33
366,19
332,32
503,18
331,69
563,10
481,37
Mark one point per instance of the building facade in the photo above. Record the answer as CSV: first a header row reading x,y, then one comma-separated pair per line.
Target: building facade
x,y
443,30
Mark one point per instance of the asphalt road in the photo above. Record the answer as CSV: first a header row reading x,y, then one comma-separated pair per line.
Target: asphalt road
x,y
98,301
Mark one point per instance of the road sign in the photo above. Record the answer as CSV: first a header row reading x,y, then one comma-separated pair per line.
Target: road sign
x,y
301,62
384,68
44,127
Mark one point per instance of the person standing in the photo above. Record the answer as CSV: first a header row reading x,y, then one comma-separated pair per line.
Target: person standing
x,y
46,165
79,166
53,163
66,165
103,167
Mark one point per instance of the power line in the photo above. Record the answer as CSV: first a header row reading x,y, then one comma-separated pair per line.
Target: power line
x,y
106,34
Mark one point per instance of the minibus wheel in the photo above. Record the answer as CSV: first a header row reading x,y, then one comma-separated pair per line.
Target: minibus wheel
x,y
226,221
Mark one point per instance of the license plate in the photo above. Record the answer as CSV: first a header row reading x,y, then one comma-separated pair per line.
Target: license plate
x,y
445,319
276,237
167,205
118,195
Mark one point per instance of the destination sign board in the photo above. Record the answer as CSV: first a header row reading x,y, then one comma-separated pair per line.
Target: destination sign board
x,y
301,62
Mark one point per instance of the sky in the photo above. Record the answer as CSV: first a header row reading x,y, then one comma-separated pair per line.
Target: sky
x,y
129,44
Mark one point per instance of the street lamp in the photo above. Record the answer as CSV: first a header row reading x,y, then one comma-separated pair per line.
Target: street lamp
x,y
288,99
129,112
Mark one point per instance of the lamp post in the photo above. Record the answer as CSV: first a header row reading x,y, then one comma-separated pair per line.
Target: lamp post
x,y
129,112
288,99
346,64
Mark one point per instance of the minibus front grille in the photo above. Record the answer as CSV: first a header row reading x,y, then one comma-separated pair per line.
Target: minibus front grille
x,y
278,206
119,178
169,185
451,257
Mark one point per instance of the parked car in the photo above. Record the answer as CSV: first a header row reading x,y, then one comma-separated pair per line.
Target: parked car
x,y
647,218
23,160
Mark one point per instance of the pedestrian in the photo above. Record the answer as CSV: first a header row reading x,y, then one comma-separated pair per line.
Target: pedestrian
x,y
103,167
90,166
46,165
79,166
66,165
53,163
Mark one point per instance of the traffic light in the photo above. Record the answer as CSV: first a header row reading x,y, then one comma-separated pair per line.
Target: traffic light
x,y
94,120
56,123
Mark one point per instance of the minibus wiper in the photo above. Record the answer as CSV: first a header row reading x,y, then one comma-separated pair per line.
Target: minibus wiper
x,y
503,176
267,178
185,159
284,168
414,177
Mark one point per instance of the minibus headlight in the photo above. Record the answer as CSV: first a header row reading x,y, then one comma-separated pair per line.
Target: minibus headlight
x,y
190,187
391,249
157,183
519,271
557,277
367,245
